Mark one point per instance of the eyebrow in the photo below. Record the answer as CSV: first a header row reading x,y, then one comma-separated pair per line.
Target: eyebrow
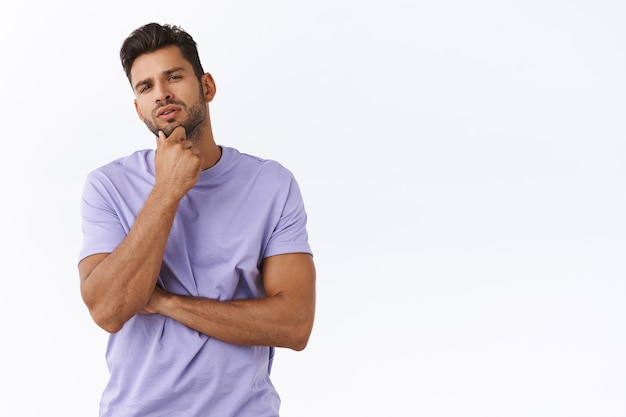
x,y
164,73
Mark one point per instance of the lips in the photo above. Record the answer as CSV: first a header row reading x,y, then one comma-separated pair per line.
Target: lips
x,y
167,111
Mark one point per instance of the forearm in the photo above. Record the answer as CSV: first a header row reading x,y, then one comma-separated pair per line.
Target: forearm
x,y
270,321
121,284
284,318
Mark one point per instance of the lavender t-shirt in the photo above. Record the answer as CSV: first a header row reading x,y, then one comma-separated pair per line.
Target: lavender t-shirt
x,y
240,211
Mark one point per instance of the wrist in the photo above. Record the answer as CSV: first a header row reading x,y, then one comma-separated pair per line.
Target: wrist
x,y
165,197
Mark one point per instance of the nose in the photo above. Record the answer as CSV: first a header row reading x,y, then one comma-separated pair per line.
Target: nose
x,y
164,99
163,94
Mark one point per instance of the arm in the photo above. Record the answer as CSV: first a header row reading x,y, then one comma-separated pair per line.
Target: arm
x,y
118,285
284,318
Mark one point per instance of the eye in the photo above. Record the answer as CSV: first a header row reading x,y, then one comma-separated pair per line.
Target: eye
x,y
144,88
174,77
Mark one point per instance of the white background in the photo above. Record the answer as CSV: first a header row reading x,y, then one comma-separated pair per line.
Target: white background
x,y
463,164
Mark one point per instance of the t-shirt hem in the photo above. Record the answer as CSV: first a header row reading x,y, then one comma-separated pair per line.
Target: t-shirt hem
x,y
288,247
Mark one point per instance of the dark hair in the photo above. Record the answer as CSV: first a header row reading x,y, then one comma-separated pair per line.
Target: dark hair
x,y
154,36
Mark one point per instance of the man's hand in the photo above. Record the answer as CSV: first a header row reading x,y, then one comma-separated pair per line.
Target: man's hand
x,y
157,295
177,163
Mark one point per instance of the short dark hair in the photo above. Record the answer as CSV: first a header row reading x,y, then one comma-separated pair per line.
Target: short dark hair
x,y
153,36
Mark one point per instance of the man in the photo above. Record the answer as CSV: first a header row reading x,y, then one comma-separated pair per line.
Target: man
x,y
195,256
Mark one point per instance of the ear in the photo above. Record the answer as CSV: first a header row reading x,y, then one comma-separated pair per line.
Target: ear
x,y
208,87
138,110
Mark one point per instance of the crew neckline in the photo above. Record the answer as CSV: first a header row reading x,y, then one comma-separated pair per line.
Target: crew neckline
x,y
206,174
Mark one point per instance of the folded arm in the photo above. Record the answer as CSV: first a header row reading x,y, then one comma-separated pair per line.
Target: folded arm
x,y
118,285
284,318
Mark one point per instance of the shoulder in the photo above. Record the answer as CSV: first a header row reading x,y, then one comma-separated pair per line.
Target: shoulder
x,y
137,162
132,172
257,165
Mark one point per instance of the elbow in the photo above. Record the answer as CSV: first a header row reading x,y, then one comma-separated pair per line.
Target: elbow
x,y
300,336
107,319
299,345
302,326
107,323
111,327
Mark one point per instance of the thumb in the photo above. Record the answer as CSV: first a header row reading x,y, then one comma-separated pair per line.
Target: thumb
x,y
160,138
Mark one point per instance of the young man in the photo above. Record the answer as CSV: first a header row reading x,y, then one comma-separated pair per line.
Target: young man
x,y
195,256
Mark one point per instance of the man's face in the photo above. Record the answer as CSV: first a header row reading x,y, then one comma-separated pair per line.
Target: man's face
x,y
167,93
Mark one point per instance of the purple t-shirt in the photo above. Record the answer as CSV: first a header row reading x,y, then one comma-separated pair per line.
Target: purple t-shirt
x,y
240,211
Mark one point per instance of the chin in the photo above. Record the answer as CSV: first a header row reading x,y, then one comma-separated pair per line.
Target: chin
x,y
169,128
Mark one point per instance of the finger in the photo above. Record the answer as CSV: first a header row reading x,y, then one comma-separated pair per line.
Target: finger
x,y
186,144
160,138
178,134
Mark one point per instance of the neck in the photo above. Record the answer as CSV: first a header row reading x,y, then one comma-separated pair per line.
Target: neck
x,y
209,151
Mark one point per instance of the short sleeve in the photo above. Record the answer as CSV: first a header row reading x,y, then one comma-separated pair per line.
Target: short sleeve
x,y
102,230
290,234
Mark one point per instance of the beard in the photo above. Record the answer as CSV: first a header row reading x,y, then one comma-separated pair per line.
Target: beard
x,y
192,124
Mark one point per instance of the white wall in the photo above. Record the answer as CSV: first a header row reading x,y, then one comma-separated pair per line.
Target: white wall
x,y
463,165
